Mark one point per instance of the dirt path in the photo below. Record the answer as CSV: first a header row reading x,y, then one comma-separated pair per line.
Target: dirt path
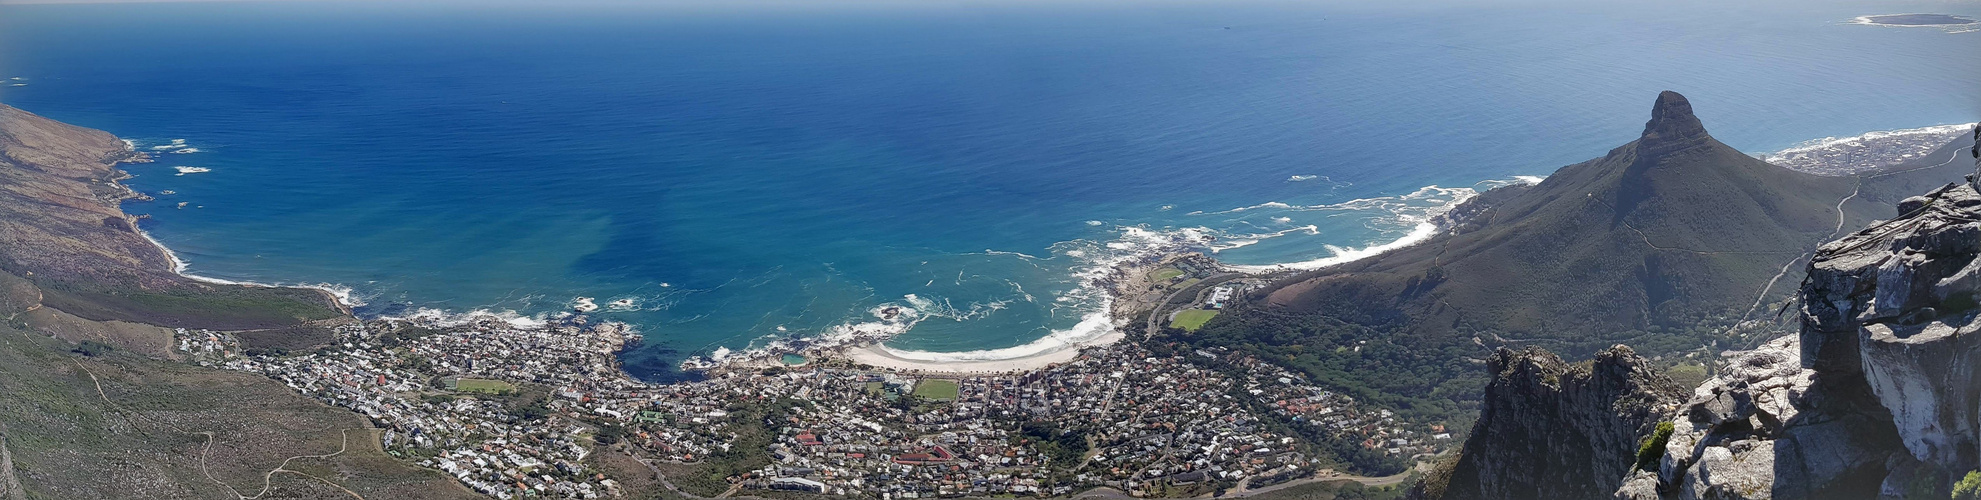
x,y
207,449
268,480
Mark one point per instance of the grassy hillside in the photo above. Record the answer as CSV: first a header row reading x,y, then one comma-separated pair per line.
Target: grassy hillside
x,y
120,425
92,412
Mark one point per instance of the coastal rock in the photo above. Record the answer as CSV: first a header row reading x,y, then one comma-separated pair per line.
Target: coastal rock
x,y
1555,430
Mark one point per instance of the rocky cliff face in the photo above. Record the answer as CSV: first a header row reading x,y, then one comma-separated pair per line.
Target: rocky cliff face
x,y
1554,430
10,485
1878,395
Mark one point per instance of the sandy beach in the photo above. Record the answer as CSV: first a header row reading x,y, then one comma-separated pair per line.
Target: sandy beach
x,y
880,356
1132,290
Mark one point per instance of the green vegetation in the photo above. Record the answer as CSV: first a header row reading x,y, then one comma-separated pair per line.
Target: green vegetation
x,y
1415,376
484,386
1065,447
937,389
221,307
1192,319
535,410
609,434
91,348
709,475
1165,274
1653,448
1687,375
1347,452
292,339
1969,487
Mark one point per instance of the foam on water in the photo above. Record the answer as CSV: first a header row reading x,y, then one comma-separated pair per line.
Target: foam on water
x,y
1343,255
1415,211
447,319
345,296
1095,261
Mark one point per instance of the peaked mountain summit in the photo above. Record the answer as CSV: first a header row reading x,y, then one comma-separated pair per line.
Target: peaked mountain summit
x,y
1668,227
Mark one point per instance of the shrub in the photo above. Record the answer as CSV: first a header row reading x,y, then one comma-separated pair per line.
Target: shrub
x,y
1969,488
92,348
1653,448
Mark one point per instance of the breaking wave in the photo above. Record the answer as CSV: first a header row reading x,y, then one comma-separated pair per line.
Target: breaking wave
x,y
1094,264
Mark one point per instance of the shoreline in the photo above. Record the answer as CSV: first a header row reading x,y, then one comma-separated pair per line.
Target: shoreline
x,y
1125,283
339,297
882,357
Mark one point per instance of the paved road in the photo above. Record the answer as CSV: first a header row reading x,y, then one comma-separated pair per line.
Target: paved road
x,y
1105,493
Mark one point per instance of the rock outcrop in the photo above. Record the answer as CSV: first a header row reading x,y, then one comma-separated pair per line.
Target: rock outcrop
x,y
10,484
1766,427
1898,298
1878,395
1554,430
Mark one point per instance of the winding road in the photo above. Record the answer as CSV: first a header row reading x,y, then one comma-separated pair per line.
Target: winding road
x,y
1841,219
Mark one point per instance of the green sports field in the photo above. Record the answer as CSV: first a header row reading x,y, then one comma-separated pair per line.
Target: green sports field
x,y
1192,319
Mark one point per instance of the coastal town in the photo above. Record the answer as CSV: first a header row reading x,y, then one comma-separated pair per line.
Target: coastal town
x,y
514,408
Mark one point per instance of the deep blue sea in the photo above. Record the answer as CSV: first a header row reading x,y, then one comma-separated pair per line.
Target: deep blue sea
x,y
744,171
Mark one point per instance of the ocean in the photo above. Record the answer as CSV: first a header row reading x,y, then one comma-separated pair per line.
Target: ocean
x,y
725,174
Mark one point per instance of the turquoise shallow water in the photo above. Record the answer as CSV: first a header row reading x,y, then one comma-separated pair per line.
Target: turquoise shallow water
x,y
747,172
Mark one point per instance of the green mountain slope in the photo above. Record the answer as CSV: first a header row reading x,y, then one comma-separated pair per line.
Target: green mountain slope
x,y
1661,243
